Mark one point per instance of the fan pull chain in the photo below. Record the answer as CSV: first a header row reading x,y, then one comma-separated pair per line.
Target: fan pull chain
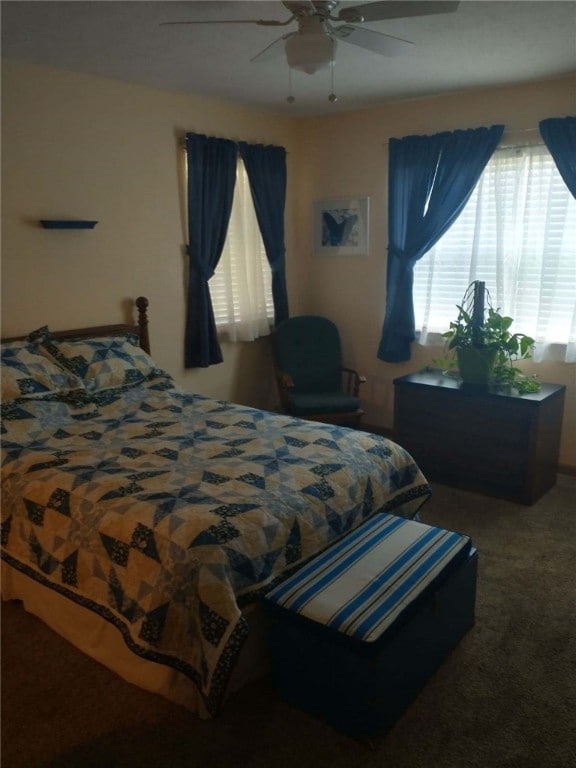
x,y
332,96
290,98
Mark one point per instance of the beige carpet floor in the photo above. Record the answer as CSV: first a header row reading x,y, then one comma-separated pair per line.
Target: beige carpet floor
x,y
506,697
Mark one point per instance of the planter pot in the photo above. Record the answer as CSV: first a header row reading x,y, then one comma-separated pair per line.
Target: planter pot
x,y
475,365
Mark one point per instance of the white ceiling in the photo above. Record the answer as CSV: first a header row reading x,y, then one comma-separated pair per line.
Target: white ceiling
x,y
482,44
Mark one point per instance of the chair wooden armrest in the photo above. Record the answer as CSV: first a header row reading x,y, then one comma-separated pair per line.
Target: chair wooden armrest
x,y
285,384
353,380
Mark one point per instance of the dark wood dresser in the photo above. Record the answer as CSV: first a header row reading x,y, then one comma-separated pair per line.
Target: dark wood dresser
x,y
501,444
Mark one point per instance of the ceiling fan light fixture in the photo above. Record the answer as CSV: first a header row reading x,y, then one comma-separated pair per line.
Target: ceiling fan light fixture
x,y
310,53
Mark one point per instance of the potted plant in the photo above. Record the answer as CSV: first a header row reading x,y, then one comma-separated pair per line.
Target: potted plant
x,y
484,346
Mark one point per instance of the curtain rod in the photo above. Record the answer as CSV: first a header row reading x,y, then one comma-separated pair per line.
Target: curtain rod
x,y
234,140
512,132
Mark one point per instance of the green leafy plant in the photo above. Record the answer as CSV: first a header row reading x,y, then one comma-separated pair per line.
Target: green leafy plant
x,y
488,333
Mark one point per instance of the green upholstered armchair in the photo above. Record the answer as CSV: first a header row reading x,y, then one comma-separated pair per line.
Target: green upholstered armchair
x,y
312,382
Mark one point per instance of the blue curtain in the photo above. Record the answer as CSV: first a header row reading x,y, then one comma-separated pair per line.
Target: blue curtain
x,y
559,134
211,180
430,181
266,169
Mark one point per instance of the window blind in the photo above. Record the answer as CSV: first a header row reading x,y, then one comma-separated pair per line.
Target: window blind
x,y
241,287
518,234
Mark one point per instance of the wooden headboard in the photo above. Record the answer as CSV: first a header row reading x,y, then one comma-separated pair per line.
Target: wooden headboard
x,y
140,329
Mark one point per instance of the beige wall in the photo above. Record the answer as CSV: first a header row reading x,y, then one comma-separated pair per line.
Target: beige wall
x,y
84,147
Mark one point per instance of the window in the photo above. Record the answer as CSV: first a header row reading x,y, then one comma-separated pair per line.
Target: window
x,y
241,287
518,234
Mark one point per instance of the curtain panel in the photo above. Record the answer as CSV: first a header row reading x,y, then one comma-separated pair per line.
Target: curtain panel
x,y
559,134
211,181
266,169
430,180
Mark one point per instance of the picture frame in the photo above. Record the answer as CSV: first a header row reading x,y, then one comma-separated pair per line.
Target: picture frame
x,y
341,226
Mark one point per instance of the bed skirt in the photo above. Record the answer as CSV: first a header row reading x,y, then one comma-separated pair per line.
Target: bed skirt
x,y
102,641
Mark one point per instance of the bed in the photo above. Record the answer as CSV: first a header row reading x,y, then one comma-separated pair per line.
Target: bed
x,y
143,522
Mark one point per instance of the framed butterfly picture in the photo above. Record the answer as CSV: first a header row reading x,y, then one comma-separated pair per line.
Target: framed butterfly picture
x,y
341,226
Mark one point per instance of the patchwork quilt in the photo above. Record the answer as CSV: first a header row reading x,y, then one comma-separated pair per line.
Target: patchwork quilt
x,y
165,511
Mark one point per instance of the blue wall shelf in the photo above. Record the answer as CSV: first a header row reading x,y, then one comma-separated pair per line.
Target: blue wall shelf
x,y
67,224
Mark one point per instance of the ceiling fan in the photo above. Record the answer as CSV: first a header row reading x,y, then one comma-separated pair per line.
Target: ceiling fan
x,y
313,45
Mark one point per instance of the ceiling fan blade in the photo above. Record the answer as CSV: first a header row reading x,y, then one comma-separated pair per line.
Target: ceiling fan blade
x,y
260,22
274,49
372,41
390,9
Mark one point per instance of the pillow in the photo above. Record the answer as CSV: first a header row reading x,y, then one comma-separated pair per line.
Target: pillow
x,y
101,363
26,372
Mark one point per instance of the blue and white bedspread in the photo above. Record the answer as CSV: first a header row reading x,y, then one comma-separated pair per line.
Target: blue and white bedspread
x,y
165,511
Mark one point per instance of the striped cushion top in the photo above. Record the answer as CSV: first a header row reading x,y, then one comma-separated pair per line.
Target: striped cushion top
x,y
362,584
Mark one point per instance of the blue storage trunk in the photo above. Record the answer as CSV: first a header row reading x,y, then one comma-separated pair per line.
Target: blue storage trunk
x,y
357,632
